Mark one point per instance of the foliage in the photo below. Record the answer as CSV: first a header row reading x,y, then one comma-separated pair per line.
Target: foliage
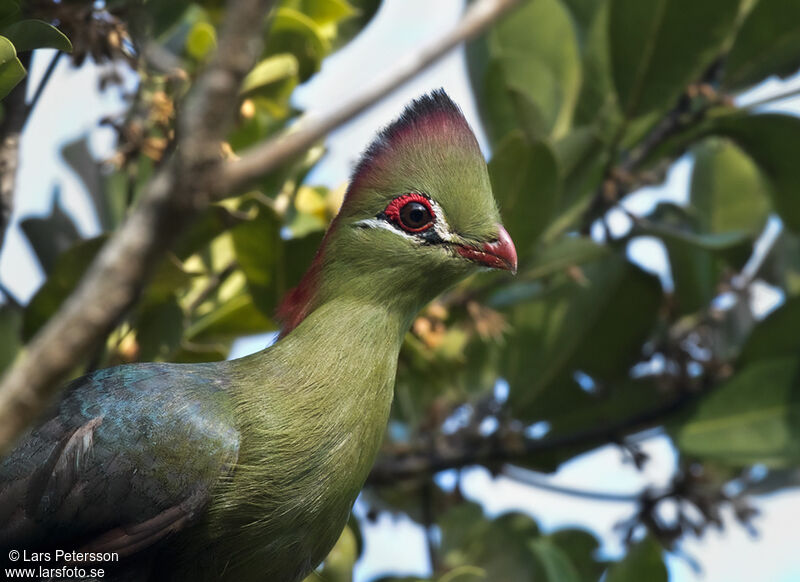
x,y
20,34
584,103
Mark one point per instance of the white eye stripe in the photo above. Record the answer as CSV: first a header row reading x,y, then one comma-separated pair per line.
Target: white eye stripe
x,y
378,223
440,225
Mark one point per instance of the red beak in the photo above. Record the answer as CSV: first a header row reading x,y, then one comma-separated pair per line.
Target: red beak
x,y
499,254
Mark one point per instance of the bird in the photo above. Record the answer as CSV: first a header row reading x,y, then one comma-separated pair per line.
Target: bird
x,y
248,469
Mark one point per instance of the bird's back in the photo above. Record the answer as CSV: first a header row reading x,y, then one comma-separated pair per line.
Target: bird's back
x,y
129,455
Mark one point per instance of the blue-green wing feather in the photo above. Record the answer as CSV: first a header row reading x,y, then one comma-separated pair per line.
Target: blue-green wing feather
x,y
130,455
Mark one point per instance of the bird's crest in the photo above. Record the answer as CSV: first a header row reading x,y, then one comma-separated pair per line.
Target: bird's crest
x,y
430,116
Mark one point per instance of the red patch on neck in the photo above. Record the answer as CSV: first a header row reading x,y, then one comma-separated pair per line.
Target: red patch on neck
x,y
298,302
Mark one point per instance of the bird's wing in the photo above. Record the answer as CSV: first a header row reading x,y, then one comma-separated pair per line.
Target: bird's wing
x,y
131,455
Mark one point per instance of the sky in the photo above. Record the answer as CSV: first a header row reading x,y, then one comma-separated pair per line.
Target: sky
x,y
71,107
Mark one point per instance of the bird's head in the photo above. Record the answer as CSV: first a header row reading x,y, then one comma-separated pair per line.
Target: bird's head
x,y
418,216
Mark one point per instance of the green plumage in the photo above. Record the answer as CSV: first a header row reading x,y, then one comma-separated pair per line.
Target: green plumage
x,y
247,470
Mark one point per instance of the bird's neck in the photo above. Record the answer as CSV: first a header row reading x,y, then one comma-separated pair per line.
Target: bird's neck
x,y
347,272
340,358
315,405
346,327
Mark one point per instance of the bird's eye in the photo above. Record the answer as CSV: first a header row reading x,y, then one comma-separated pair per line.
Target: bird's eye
x,y
411,212
415,216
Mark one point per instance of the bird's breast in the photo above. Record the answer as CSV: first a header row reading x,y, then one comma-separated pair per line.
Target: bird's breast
x,y
302,462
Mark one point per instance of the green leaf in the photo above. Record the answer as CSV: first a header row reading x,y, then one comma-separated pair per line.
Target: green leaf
x,y
538,51
465,574
28,35
272,265
274,69
295,33
501,547
51,235
63,279
11,69
782,264
205,227
728,191
236,317
568,251
554,563
696,259
489,86
597,99
583,13
580,546
174,21
575,326
657,48
10,341
643,562
338,565
527,69
754,417
526,185
347,29
9,12
168,279
324,12
259,252
582,156
709,242
198,353
771,140
69,268
694,272
768,43
201,40
508,548
569,409
159,329
777,335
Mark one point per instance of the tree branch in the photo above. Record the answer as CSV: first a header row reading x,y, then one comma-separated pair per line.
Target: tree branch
x,y
423,462
122,268
265,157
619,176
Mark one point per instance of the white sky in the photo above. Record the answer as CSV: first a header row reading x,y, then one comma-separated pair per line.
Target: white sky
x,y
71,107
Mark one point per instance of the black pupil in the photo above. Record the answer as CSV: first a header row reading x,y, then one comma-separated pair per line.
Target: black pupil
x,y
414,215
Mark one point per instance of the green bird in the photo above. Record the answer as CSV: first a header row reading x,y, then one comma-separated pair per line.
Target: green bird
x,y
248,469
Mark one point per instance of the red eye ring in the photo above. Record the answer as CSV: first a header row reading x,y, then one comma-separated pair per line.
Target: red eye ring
x,y
404,211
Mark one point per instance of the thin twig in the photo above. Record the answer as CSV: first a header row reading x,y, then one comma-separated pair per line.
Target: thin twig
x,y
428,520
10,298
532,478
264,158
214,283
17,114
43,83
172,198
772,99
761,249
